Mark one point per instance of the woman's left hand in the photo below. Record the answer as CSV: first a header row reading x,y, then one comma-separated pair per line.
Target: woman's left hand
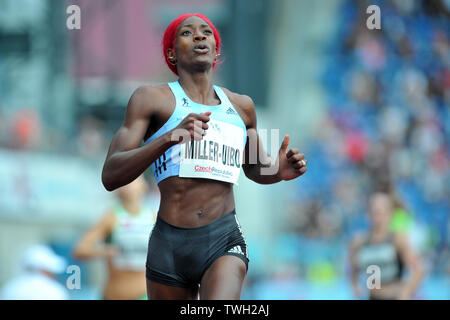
x,y
292,163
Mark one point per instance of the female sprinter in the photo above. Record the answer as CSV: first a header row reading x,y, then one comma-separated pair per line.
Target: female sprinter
x,y
195,135
121,236
390,252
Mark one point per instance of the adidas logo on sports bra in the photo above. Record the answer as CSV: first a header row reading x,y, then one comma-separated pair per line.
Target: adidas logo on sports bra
x,y
231,111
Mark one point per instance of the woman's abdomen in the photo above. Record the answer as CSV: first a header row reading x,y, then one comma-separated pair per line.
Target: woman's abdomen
x,y
193,202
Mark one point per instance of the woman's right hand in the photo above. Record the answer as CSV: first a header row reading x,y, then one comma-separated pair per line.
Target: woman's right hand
x,y
191,128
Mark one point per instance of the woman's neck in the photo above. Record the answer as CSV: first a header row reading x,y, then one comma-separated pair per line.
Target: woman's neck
x,y
378,234
197,86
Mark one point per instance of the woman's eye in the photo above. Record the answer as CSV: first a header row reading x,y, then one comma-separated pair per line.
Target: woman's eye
x,y
208,31
184,33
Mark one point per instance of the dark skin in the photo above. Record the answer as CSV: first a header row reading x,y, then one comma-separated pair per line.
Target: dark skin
x,y
192,202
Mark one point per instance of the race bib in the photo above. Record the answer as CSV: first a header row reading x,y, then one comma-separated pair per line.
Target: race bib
x,y
218,156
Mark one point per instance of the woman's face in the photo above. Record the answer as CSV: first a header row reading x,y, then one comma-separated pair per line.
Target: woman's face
x,y
380,210
195,45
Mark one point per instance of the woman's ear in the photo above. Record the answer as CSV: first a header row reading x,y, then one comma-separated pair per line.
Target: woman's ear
x,y
171,56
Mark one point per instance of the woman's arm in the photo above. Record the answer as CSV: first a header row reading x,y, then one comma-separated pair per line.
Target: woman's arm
x,y
88,246
126,160
259,166
354,247
413,263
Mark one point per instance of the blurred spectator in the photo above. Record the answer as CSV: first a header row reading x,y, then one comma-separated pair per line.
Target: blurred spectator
x,y
37,282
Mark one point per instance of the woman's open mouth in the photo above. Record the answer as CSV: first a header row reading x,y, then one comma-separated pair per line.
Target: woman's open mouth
x,y
201,49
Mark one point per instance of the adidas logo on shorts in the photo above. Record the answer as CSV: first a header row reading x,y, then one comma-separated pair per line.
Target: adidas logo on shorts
x,y
236,249
231,111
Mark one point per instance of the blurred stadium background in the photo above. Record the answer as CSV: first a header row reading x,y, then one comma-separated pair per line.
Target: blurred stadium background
x,y
369,108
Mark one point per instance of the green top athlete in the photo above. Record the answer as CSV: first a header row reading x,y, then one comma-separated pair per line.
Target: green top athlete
x,y
121,236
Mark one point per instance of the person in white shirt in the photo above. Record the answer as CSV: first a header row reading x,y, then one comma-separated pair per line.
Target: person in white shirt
x,y
37,282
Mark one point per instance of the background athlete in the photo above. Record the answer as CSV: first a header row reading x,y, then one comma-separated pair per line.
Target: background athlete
x,y
198,210
121,236
389,251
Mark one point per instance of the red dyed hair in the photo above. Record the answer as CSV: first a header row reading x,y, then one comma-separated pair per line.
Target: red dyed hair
x,y
171,32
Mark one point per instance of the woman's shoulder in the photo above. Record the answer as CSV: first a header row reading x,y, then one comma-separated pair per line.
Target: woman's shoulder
x,y
242,100
153,91
149,99
245,106
400,239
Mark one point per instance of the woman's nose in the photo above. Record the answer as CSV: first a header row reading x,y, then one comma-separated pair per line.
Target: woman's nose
x,y
199,36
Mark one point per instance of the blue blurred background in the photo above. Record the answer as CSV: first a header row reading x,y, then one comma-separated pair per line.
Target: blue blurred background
x,y
369,108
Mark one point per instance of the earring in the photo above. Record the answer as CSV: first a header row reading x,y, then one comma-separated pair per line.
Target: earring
x,y
172,63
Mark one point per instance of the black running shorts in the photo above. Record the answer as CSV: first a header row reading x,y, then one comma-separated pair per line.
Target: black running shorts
x,y
180,256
